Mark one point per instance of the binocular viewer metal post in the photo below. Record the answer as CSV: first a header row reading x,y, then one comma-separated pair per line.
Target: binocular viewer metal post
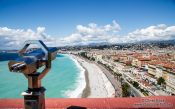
x,y
28,62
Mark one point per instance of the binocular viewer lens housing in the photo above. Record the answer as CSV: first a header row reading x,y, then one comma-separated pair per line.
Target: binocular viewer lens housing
x,y
29,62
18,67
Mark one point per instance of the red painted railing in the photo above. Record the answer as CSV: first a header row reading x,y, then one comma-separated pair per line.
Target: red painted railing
x,y
146,102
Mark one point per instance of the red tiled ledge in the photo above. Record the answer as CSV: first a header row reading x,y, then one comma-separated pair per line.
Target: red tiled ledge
x,y
146,102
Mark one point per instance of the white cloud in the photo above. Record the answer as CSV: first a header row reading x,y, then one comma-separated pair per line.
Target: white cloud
x,y
109,33
158,32
94,29
92,33
40,30
14,38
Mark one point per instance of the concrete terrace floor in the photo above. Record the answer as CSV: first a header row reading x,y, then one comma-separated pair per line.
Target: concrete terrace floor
x,y
88,103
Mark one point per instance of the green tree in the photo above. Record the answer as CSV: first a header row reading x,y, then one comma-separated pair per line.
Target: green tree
x,y
125,90
161,81
83,54
135,84
92,59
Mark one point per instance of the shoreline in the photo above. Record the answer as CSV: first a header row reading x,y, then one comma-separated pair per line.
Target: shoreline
x,y
86,92
97,84
81,80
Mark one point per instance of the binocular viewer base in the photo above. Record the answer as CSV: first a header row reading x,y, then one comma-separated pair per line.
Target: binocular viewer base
x,y
34,98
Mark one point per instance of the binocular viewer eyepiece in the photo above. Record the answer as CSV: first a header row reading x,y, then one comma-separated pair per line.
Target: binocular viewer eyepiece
x,y
29,61
18,67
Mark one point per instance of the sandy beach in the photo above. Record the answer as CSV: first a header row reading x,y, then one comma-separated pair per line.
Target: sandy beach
x,y
97,84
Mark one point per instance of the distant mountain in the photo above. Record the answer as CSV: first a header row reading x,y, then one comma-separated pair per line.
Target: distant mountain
x,y
158,41
96,44
107,44
141,42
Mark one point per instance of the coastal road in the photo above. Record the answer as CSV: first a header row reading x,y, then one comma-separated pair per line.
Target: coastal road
x,y
116,84
99,84
134,91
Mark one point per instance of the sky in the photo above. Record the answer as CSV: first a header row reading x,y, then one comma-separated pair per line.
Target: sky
x,y
73,22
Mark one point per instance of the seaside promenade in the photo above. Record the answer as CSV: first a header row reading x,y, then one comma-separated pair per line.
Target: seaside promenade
x,y
115,84
97,83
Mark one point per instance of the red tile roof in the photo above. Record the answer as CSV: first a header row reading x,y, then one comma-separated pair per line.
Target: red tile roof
x,y
169,65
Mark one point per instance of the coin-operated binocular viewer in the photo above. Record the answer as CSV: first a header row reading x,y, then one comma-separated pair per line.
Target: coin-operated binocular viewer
x,y
29,61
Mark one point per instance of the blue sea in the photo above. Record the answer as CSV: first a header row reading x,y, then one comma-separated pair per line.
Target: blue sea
x,y
66,79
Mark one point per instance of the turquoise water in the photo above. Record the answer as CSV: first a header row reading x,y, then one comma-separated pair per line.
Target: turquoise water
x,y
58,82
